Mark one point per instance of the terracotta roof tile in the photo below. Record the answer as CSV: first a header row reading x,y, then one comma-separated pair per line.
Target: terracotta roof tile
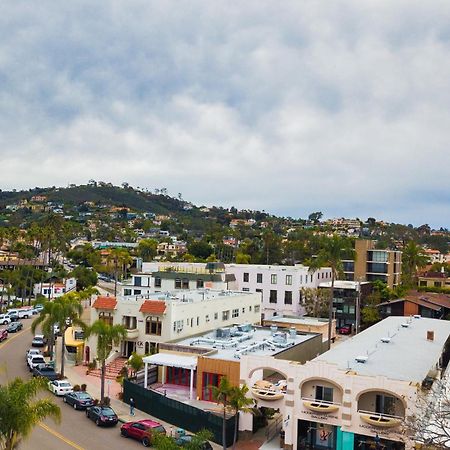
x,y
103,302
153,307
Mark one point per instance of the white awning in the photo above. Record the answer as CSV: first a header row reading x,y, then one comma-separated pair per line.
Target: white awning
x,y
172,360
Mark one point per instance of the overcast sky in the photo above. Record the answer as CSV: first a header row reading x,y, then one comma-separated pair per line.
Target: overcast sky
x,y
287,106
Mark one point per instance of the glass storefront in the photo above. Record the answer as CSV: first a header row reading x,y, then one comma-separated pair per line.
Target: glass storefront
x,y
208,381
178,376
376,443
312,435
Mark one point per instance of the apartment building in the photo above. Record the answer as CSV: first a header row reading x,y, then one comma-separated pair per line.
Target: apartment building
x,y
169,316
358,395
279,286
373,264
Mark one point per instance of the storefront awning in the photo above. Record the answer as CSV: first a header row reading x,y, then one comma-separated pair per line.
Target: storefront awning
x,y
172,360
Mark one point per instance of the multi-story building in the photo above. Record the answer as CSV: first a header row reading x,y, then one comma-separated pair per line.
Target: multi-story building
x,y
373,264
434,280
169,316
55,289
360,394
280,287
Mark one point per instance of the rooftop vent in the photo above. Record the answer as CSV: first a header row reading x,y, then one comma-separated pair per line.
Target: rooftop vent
x,y
405,325
430,335
362,359
417,316
386,340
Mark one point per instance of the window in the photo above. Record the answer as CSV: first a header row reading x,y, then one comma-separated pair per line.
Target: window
x,y
137,292
177,283
235,313
250,308
225,315
437,284
185,283
216,316
243,310
127,292
273,278
200,283
288,297
273,296
259,278
153,325
421,283
257,308
198,320
259,290
106,317
158,282
324,393
246,289
289,280
246,277
301,279
385,404
207,318
138,281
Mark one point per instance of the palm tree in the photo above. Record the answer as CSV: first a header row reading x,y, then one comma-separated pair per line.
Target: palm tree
x,y
107,337
240,403
333,251
47,319
20,412
119,259
413,258
223,394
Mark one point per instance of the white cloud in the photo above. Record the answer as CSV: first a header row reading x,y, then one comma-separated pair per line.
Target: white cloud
x,y
288,107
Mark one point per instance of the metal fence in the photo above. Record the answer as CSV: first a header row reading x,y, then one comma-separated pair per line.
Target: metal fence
x,y
177,413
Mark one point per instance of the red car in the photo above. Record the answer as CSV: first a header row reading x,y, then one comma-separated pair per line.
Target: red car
x,y
142,430
346,329
3,335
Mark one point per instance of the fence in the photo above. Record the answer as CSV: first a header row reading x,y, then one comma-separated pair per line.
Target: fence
x,y
177,413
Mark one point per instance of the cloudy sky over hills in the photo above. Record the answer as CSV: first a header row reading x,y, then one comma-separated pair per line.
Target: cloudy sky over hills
x,y
291,107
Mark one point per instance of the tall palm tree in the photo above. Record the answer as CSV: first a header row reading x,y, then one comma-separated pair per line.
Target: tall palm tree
x,y
333,250
413,259
20,412
119,259
240,403
223,394
108,336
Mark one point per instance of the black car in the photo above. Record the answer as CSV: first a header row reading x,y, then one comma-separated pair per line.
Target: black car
x,y
13,327
182,441
78,399
102,415
46,371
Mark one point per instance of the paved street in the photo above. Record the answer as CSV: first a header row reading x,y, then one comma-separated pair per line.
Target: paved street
x,y
74,431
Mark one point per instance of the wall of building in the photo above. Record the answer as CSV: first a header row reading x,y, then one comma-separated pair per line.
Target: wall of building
x,y
228,368
306,351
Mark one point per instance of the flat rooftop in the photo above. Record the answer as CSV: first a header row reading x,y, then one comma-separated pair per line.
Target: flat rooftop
x,y
189,295
307,321
255,341
408,356
344,284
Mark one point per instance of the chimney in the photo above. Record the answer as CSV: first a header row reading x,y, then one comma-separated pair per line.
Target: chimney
x,y
430,335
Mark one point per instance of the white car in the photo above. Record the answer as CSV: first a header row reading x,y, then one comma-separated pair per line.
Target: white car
x,y
60,387
32,352
4,319
34,360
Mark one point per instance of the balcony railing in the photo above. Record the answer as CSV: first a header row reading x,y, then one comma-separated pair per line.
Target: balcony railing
x,y
132,333
265,390
380,419
321,406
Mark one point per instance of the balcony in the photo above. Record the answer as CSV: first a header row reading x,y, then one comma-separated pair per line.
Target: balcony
x,y
380,420
132,333
265,390
320,406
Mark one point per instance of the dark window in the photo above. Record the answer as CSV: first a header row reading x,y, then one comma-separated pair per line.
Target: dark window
x,y
246,277
385,404
259,277
153,325
200,283
273,296
185,283
137,292
157,281
288,297
138,281
177,283
324,393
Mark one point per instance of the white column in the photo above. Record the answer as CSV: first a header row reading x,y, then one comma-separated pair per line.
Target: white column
x,y
145,375
191,385
163,374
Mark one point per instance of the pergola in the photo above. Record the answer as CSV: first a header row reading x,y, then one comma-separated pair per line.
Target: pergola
x,y
172,360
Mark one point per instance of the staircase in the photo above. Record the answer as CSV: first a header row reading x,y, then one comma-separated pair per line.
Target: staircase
x,y
112,369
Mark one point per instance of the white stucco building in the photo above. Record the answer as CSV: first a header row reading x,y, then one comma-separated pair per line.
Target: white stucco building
x,y
358,394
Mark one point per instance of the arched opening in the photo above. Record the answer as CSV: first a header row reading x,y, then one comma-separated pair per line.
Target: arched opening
x,y
321,394
267,383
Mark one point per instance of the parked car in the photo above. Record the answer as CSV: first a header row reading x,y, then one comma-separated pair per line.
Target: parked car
x,y
78,399
13,327
38,307
346,329
5,319
102,415
60,387
186,439
46,371
32,351
13,316
34,360
3,335
24,313
38,341
142,430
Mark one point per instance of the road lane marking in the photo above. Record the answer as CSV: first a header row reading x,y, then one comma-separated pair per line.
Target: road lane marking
x,y
16,335
60,436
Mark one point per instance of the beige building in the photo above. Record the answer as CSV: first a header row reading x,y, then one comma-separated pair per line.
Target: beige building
x,y
373,264
357,395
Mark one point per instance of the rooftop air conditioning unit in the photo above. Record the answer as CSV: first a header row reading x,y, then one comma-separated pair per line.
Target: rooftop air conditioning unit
x,y
386,340
417,316
405,325
362,359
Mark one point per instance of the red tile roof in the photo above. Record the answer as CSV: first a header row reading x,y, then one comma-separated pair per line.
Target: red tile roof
x,y
153,307
103,302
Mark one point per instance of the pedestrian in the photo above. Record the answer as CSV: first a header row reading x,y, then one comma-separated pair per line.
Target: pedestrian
x,y
132,405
